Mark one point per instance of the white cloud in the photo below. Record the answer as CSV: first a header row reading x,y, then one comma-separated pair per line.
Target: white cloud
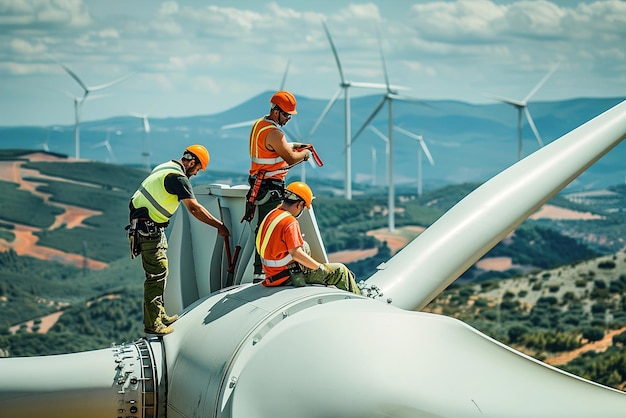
x,y
54,12
24,47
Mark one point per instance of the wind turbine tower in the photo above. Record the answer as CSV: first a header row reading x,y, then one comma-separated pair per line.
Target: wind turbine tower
x,y
145,143
522,106
79,102
388,99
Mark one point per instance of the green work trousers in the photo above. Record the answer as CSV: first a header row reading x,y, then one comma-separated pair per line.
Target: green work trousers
x,y
154,261
334,274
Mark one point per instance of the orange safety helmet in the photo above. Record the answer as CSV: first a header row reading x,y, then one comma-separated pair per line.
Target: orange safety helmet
x,y
301,190
285,100
200,152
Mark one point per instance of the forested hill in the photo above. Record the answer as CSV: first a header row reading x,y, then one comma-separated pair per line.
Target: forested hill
x,y
84,292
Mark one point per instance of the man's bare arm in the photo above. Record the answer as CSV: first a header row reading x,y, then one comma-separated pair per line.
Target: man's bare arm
x,y
276,141
203,215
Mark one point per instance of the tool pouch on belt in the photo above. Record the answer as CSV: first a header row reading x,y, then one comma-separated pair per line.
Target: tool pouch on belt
x,y
261,191
296,275
133,238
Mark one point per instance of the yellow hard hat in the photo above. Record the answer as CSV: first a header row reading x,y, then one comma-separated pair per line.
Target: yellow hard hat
x,y
200,152
301,190
285,100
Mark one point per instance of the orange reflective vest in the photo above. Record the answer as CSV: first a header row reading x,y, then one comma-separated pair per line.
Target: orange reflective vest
x,y
261,158
278,233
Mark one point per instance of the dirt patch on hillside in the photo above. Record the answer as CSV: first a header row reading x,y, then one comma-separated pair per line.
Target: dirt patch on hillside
x,y
597,346
555,212
25,242
396,240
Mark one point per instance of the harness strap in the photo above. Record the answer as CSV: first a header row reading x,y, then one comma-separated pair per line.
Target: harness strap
x,y
278,276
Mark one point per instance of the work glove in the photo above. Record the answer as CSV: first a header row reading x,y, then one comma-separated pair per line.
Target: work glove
x,y
322,268
296,145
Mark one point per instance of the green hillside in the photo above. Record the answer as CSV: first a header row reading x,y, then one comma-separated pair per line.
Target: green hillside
x,y
553,312
542,312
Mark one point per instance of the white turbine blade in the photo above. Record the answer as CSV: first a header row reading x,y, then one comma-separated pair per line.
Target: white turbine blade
x,y
144,118
369,119
532,126
104,86
325,111
543,80
332,46
484,217
379,133
239,124
68,94
382,58
427,152
366,85
282,83
408,99
419,139
75,77
513,102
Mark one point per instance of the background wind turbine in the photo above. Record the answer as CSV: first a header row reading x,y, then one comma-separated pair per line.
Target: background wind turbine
x,y
373,154
522,105
422,148
145,143
388,99
344,85
107,144
80,102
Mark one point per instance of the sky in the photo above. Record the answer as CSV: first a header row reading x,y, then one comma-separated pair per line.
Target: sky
x,y
196,57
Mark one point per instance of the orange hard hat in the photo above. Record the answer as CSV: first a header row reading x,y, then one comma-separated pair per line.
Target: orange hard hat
x,y
285,100
200,152
301,190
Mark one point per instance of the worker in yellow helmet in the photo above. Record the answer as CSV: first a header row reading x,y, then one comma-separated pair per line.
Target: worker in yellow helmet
x,y
285,255
270,157
151,207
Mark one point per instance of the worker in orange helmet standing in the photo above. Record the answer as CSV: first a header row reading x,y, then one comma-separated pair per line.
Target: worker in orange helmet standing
x,y
271,156
286,256
151,208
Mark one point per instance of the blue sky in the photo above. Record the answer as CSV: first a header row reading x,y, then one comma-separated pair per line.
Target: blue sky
x,y
192,57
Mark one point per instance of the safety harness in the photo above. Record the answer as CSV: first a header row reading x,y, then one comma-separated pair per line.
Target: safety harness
x,y
255,187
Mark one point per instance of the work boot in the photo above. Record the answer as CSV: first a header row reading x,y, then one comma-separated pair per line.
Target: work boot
x,y
168,320
165,318
159,329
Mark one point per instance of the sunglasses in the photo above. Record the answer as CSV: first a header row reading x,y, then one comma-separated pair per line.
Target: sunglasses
x,y
282,112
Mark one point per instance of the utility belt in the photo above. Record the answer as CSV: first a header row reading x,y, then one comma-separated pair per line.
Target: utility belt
x,y
267,189
262,190
144,227
292,268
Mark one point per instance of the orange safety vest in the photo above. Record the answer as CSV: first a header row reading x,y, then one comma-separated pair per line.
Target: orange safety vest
x,y
271,245
261,158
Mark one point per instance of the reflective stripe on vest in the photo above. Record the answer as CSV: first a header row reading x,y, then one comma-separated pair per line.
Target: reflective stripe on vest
x,y
261,158
152,195
263,239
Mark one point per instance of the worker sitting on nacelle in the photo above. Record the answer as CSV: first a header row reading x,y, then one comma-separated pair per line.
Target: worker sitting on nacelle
x,y
284,254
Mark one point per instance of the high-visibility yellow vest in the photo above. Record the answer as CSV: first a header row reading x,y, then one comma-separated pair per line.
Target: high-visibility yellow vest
x,y
152,195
